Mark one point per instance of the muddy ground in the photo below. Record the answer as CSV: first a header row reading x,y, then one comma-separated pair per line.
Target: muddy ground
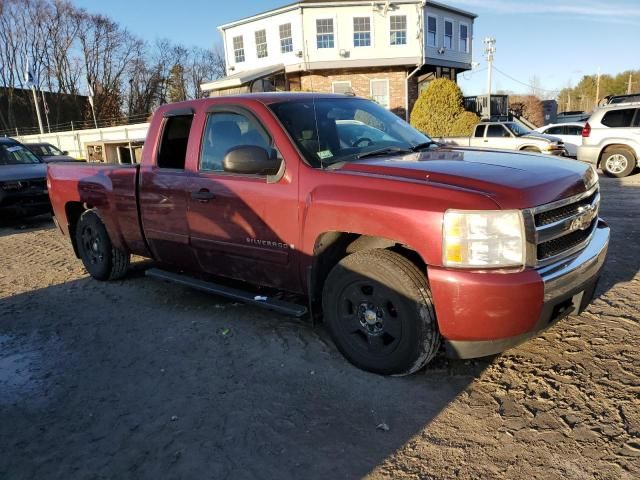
x,y
142,379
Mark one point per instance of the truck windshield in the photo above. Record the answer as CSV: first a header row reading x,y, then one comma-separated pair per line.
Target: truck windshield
x,y
517,129
332,130
12,154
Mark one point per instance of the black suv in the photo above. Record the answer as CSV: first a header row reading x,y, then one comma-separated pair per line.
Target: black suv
x,y
23,183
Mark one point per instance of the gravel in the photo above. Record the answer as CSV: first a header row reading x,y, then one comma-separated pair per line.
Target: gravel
x,y
142,379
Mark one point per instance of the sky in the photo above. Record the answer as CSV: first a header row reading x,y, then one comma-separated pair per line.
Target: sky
x,y
557,41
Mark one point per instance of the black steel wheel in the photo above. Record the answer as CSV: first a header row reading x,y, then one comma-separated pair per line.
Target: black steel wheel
x,y
101,259
378,309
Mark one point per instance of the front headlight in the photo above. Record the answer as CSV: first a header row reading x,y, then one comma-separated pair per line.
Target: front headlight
x,y
483,239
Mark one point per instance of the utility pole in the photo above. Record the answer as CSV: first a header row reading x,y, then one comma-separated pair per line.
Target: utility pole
x,y
91,95
489,51
597,90
630,82
46,110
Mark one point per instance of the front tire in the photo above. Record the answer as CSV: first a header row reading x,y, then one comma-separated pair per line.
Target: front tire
x,y
617,162
378,309
101,259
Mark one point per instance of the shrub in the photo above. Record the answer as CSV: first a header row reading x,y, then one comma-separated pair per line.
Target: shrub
x,y
463,125
437,108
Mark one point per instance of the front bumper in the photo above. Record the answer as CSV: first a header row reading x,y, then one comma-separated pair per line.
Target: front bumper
x,y
32,202
559,152
484,313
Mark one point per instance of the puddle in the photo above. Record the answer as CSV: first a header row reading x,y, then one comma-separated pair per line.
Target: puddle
x,y
21,369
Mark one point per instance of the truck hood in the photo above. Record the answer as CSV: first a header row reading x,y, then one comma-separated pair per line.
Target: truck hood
x,y
542,136
511,179
34,171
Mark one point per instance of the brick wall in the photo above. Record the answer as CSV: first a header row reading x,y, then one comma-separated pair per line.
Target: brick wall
x,y
321,81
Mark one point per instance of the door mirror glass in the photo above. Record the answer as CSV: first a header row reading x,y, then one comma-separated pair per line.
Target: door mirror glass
x,y
251,160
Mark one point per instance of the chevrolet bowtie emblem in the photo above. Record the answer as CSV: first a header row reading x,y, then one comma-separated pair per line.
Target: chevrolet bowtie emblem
x,y
585,217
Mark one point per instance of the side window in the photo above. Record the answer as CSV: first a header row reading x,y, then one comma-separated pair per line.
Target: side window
x,y
554,131
175,136
619,118
636,122
574,130
497,131
225,131
479,133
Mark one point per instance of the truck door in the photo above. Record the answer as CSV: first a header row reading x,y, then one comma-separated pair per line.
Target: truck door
x,y
241,226
163,186
477,139
498,136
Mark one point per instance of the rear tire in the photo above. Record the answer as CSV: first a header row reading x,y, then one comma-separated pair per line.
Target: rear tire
x,y
378,309
617,162
101,259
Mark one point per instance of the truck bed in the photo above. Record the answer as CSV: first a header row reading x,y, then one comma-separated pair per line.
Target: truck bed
x,y
113,189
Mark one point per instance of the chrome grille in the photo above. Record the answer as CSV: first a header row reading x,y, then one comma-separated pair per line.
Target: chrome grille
x,y
563,228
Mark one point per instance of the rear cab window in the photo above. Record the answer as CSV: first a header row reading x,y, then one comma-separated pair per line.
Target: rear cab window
x,y
175,137
479,133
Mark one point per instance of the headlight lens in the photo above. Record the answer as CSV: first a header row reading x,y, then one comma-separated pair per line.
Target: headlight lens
x,y
483,239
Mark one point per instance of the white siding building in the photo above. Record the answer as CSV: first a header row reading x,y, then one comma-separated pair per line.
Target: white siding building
x,y
385,50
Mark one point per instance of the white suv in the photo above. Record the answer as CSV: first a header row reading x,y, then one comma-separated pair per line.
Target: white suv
x,y
611,139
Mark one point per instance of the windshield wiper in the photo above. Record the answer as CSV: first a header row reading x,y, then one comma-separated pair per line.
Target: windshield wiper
x,y
423,145
383,151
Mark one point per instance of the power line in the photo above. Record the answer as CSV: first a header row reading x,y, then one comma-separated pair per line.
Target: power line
x,y
525,84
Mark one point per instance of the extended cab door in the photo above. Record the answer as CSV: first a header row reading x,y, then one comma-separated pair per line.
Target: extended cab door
x,y
164,182
477,138
242,226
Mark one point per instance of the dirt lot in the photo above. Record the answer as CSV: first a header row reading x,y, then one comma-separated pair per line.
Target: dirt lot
x,y
141,379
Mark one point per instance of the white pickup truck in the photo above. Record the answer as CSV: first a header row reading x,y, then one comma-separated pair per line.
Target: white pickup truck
x,y
508,136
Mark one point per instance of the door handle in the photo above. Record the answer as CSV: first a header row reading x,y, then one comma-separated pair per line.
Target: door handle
x,y
203,195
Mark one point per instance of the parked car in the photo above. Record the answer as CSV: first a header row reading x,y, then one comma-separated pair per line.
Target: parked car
x,y
508,136
572,116
23,188
569,133
611,139
49,153
396,242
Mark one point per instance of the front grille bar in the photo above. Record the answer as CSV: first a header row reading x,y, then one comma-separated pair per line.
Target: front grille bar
x,y
569,222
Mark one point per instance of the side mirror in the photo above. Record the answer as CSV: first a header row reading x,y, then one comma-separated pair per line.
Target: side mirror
x,y
251,160
65,152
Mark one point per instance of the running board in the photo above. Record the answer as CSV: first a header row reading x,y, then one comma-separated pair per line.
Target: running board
x,y
273,304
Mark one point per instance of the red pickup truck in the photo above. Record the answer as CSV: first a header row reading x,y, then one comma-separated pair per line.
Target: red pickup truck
x,y
395,241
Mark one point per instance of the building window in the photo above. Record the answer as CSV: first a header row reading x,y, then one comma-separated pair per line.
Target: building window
x,y
341,87
286,41
432,31
398,29
361,32
448,34
238,49
464,38
324,33
261,43
380,92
